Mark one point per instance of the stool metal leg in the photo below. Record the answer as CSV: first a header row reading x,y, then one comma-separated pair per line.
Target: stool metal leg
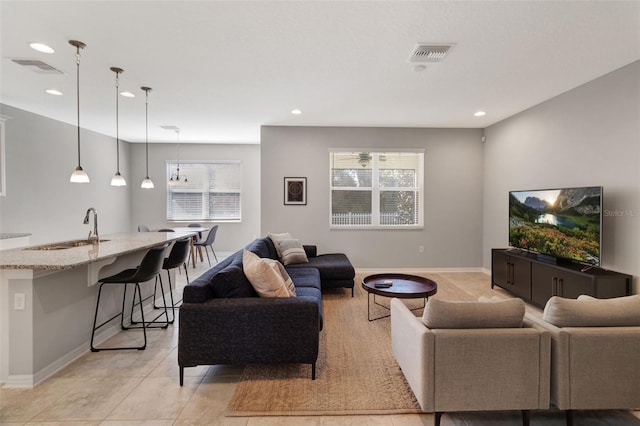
x,y
121,315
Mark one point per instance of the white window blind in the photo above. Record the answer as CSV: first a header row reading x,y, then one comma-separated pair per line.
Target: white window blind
x,y
376,189
212,191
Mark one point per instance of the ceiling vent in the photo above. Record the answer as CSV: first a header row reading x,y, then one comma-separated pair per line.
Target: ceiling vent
x,y
429,53
38,66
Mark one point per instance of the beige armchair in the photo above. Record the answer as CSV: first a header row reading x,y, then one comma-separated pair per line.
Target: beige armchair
x,y
595,353
452,365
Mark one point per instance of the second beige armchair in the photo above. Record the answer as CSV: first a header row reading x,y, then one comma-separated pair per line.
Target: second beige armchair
x,y
463,362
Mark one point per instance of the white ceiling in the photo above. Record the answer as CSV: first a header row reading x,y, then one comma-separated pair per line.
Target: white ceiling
x,y
219,70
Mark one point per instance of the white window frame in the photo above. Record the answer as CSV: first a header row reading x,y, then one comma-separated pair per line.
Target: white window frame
x,y
206,215
376,190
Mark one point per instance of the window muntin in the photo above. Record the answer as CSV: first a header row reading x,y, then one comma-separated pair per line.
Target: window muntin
x,y
212,191
376,189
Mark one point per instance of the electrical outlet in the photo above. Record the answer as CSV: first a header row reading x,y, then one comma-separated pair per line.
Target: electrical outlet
x,y
19,301
420,249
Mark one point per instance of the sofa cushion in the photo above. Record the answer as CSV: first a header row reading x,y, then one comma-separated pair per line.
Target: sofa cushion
x,y
305,277
263,248
479,314
275,238
332,266
292,252
264,275
591,312
231,282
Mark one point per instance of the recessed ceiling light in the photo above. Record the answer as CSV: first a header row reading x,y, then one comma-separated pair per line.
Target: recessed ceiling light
x,y
54,92
296,112
128,94
419,68
41,48
479,113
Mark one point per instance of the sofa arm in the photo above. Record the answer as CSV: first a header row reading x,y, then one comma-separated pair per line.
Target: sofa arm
x,y
310,250
199,291
248,330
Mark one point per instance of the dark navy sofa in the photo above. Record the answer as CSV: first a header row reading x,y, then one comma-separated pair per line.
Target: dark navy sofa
x,y
223,321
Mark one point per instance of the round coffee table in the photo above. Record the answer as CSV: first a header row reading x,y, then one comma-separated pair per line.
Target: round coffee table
x,y
403,286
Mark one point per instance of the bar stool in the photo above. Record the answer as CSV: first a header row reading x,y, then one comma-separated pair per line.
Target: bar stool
x,y
150,267
177,257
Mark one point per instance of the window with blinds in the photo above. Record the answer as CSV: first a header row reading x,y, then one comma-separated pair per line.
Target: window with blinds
x,y
377,189
212,191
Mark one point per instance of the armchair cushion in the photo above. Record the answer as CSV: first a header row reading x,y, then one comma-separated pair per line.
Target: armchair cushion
x,y
481,314
591,312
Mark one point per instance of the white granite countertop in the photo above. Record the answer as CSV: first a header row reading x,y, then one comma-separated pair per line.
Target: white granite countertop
x,y
117,244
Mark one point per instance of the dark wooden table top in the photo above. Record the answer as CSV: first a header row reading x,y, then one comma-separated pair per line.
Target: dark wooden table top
x,y
404,286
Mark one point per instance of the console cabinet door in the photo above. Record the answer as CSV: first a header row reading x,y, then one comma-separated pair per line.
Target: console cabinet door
x,y
551,281
511,273
520,277
500,269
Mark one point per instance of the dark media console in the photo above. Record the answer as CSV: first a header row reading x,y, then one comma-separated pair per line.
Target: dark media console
x,y
535,280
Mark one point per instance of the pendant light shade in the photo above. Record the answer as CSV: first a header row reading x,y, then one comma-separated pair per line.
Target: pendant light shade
x,y
117,179
78,175
147,183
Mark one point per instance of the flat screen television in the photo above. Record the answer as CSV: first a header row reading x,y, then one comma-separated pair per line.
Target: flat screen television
x,y
558,224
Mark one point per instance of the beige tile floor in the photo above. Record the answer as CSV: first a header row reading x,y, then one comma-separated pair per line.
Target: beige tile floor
x,y
141,388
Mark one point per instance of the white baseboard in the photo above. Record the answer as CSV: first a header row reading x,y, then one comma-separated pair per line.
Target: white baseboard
x,y
30,380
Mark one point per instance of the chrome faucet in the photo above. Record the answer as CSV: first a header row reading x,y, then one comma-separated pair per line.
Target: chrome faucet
x,y
95,237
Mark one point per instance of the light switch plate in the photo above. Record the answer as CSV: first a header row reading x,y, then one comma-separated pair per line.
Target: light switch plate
x,y
19,301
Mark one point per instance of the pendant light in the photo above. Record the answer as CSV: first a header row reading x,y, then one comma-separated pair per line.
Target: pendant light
x,y
79,175
117,179
177,178
147,183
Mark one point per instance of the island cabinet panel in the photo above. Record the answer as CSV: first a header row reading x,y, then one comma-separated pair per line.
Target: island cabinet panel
x,y
536,281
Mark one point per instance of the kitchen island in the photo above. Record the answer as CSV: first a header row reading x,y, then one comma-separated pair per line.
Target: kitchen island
x,y
48,297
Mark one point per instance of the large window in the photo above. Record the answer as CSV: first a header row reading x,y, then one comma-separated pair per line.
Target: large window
x,y
212,191
376,189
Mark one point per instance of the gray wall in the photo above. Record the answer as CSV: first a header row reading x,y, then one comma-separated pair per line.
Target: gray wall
x,y
452,234
148,206
41,153
588,136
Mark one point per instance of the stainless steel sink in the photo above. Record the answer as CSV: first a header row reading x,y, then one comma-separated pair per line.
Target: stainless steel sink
x,y
64,245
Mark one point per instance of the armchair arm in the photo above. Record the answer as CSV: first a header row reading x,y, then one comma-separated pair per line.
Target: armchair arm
x,y
594,367
412,345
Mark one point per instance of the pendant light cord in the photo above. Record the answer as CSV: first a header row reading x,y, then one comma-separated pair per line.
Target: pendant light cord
x,y
117,125
78,96
146,134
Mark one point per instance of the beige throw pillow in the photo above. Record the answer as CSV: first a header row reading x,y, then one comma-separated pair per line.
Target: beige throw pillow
x,y
276,241
591,312
292,252
481,314
264,275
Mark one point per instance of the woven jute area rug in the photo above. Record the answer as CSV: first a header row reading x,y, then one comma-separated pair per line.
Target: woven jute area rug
x,y
356,370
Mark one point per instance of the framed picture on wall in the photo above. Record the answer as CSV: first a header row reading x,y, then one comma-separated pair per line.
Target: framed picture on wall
x,y
295,191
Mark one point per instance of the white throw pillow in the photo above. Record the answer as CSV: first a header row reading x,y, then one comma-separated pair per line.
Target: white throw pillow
x,y
264,275
292,252
275,238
